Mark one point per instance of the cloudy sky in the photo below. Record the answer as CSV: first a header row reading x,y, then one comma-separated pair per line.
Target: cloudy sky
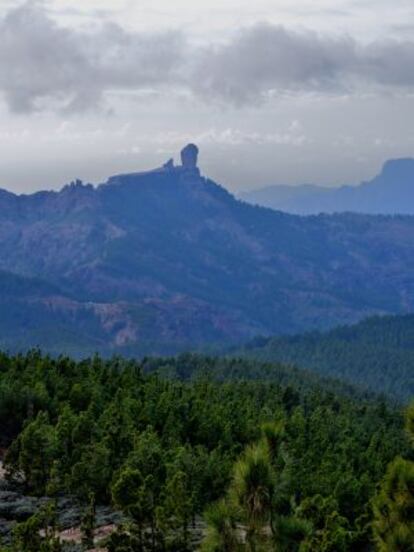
x,y
273,91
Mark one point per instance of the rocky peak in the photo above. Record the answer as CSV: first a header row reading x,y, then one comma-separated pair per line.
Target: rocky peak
x,y
189,156
188,167
398,170
189,159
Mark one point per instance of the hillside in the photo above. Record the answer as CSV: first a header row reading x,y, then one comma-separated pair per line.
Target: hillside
x,y
376,354
168,260
163,452
390,192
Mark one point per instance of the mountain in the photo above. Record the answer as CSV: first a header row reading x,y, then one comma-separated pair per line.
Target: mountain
x,y
391,192
377,354
167,260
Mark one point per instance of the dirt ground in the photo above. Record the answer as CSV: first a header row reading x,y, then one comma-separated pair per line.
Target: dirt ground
x,y
74,534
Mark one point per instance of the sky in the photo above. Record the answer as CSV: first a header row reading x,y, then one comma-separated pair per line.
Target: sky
x,y
272,91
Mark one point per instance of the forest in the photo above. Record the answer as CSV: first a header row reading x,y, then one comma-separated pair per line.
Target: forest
x,y
197,453
376,354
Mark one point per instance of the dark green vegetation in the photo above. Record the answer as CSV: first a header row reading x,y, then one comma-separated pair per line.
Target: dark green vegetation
x,y
376,354
166,440
168,261
393,525
256,501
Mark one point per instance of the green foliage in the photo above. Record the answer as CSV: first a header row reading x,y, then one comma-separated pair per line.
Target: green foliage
x,y
38,533
393,524
260,511
377,354
409,422
252,488
290,533
88,524
129,494
35,450
222,531
164,440
331,532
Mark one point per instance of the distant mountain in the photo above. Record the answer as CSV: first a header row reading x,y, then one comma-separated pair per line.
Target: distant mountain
x,y
391,192
167,260
376,354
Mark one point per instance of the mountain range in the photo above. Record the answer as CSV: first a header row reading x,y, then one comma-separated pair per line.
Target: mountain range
x,y
390,192
168,260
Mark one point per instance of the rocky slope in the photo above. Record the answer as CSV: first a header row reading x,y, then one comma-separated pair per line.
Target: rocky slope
x,y
168,260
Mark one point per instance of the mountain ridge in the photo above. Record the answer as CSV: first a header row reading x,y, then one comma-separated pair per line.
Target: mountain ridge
x,y
390,192
168,260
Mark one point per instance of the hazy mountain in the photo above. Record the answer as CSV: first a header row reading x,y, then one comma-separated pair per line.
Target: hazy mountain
x,y
377,354
391,192
166,260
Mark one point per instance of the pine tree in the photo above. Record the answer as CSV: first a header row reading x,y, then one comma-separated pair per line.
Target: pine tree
x,y
88,524
393,525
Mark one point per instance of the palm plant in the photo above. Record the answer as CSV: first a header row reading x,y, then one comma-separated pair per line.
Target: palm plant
x,y
252,491
222,533
273,434
289,532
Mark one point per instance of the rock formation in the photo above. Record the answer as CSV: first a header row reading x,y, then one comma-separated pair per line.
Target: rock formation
x,y
189,156
188,167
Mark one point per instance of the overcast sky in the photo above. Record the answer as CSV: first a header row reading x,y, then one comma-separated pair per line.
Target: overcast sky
x,y
273,91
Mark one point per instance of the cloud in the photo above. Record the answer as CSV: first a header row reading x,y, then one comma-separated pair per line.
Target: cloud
x,y
44,66
293,135
267,60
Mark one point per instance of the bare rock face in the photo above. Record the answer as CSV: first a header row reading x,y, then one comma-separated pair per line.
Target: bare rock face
x,y
189,156
169,165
